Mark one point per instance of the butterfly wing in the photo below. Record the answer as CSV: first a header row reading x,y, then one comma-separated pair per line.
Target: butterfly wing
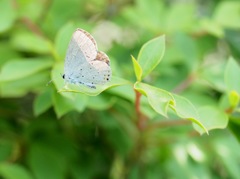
x,y
99,71
95,72
81,49
87,43
83,63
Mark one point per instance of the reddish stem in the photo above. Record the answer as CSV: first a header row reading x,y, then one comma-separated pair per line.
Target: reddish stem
x,y
137,103
141,119
229,110
31,26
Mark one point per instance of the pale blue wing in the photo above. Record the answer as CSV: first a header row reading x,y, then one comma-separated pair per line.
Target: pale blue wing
x,y
83,63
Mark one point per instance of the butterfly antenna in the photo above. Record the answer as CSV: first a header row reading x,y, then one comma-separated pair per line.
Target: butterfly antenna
x,y
49,82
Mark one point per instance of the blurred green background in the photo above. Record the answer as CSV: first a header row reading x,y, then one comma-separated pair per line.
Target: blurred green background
x,y
46,135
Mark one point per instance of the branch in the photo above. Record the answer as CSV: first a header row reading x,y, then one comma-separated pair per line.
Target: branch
x,y
185,83
29,23
31,26
141,119
229,110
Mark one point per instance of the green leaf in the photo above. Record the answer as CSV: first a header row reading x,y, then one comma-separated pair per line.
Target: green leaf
x,y
212,27
28,42
8,15
59,83
234,127
183,16
33,10
115,81
231,8
17,69
13,171
189,50
55,18
137,69
232,37
212,118
46,162
63,38
120,91
151,13
63,105
185,109
232,74
22,86
42,102
117,167
7,146
227,150
159,99
151,54
7,53
100,102
214,74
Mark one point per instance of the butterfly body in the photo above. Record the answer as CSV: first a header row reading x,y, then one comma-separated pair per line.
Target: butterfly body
x,y
84,64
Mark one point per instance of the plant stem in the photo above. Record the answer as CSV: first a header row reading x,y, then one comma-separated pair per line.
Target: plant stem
x,y
229,110
184,84
137,103
31,26
141,119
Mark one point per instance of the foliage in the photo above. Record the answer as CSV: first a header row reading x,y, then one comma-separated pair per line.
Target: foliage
x,y
171,109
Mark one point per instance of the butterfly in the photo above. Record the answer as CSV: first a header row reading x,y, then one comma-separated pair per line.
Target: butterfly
x,y
84,64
